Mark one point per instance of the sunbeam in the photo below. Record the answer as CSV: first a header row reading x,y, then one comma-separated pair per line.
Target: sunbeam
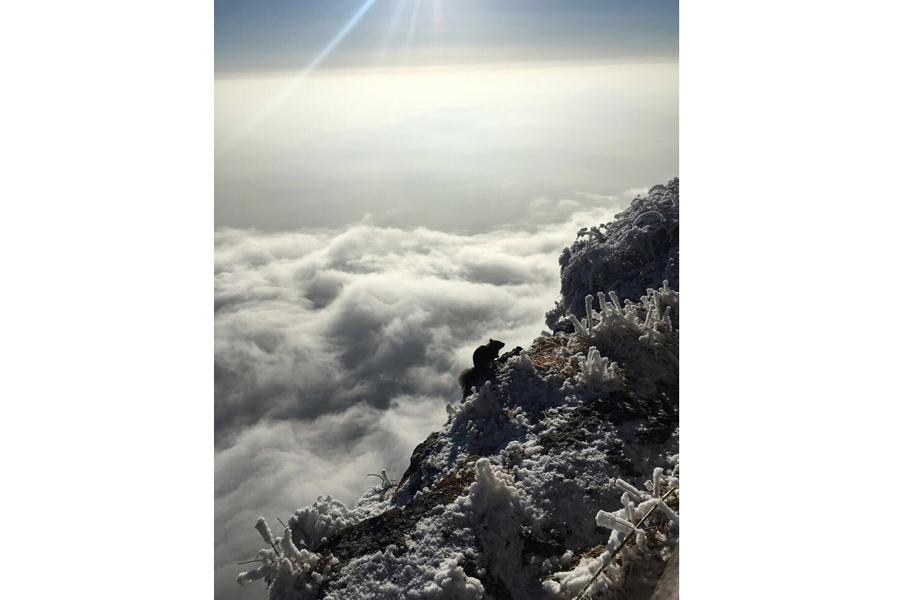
x,y
436,22
291,87
412,30
395,20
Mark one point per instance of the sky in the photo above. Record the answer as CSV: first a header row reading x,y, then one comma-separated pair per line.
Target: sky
x,y
394,182
273,35
451,115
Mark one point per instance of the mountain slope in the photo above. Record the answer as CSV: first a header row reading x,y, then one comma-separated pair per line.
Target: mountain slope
x,y
562,452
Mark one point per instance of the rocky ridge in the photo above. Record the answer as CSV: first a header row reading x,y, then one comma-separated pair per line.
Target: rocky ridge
x,y
556,475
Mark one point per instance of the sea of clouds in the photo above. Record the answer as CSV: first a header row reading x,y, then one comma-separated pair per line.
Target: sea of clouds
x,y
336,351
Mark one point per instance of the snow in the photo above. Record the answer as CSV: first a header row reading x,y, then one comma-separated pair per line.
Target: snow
x,y
451,582
635,252
534,483
257,573
632,491
670,514
264,531
311,524
521,362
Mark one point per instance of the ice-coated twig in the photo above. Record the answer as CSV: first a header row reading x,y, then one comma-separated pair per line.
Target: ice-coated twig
x,y
670,514
615,301
619,547
263,528
257,573
611,521
654,213
629,507
641,540
657,481
579,328
635,494
291,551
386,481
588,308
602,298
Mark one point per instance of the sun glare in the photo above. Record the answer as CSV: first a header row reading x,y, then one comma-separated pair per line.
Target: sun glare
x,y
295,82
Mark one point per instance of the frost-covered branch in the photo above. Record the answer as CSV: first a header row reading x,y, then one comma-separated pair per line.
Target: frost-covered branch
x,y
601,573
386,481
635,529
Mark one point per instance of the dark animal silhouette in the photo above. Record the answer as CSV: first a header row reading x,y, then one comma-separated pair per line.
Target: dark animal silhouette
x,y
482,359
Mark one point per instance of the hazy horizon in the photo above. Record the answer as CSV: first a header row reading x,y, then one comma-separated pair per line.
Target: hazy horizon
x,y
455,149
454,116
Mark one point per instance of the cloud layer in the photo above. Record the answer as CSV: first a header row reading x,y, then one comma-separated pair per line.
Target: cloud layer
x,y
336,352
448,149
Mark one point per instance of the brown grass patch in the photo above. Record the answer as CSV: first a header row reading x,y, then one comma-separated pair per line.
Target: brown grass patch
x,y
551,354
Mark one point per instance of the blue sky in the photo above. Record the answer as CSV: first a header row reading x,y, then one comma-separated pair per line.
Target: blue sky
x,y
266,35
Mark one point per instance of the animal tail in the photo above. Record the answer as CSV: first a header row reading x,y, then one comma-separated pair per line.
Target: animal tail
x,y
467,379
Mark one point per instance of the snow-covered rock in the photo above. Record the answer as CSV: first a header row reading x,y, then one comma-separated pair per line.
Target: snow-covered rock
x,y
637,251
556,476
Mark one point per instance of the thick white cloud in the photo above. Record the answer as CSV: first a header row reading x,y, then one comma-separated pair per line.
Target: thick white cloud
x,y
336,352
